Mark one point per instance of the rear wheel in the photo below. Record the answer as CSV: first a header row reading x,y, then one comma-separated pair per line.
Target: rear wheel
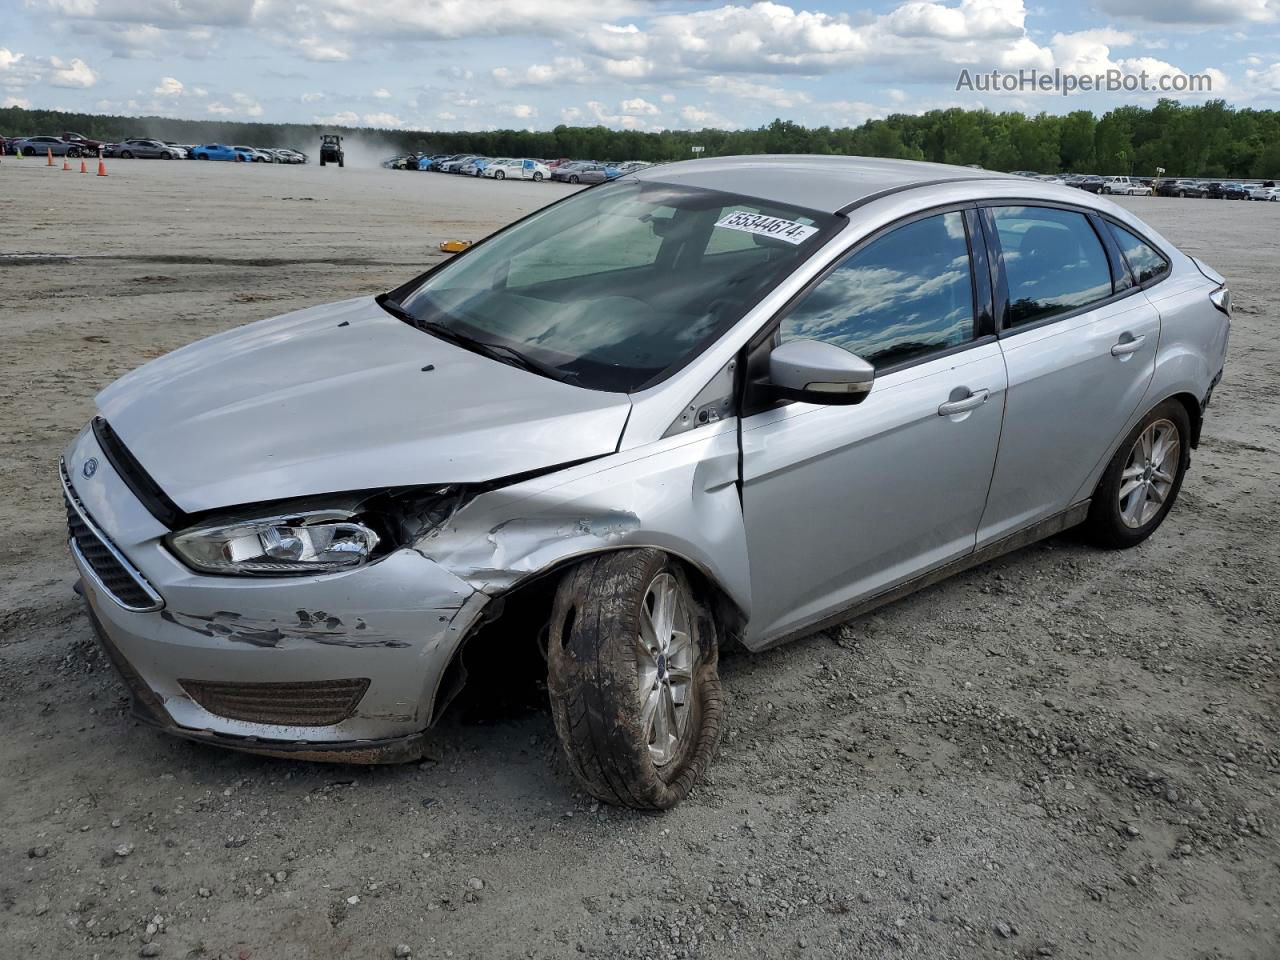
x,y
573,178
499,175
202,156
537,176
126,155
633,679
1142,480
73,152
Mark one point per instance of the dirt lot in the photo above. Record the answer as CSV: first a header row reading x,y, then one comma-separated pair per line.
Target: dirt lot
x,y
1064,753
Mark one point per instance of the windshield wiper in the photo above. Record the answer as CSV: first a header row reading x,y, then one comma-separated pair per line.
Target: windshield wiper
x,y
494,351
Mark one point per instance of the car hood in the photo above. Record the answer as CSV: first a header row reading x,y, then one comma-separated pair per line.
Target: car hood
x,y
336,398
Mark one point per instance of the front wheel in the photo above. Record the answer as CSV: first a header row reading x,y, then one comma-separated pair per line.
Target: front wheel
x,y
126,155
633,679
1142,480
499,175
574,179
202,156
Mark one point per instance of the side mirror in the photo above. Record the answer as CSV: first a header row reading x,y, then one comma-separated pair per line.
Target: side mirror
x,y
817,372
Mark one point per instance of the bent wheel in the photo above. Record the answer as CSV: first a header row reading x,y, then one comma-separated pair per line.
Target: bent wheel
x,y
633,678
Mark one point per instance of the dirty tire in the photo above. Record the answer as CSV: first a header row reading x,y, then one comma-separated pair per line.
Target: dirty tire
x,y
1104,525
593,679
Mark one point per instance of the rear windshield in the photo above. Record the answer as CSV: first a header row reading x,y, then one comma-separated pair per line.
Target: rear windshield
x,y
622,284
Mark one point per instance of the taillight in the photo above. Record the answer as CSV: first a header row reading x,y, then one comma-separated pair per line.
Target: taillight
x,y
1221,299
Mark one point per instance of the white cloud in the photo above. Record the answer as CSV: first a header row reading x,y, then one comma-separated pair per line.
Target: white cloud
x,y
247,105
219,109
446,116
382,93
313,97
313,48
15,102
168,87
758,92
637,107
382,120
1201,12
75,74
344,119
772,38
1266,79
561,70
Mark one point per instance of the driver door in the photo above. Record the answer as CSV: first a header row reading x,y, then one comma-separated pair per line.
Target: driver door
x,y
843,502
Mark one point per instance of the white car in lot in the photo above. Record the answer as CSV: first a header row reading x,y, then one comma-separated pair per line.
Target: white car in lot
x,y
518,170
1126,186
1259,192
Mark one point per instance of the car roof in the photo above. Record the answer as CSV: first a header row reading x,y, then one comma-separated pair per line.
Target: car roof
x,y
825,183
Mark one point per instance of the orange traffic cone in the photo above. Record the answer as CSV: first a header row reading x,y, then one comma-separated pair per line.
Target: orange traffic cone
x,y
83,168
50,156
66,164
102,168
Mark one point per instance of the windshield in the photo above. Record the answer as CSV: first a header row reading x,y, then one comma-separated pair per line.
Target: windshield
x,y
620,285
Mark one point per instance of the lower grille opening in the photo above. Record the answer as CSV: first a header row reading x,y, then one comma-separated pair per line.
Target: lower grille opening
x,y
315,703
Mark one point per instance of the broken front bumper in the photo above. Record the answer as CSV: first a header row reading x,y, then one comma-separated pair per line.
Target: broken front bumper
x,y
343,666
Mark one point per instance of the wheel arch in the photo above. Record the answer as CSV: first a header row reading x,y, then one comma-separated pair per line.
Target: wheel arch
x,y
523,613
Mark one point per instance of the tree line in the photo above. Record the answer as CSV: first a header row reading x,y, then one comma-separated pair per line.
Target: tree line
x,y
1207,140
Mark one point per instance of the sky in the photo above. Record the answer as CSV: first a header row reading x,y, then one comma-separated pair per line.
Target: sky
x,y
628,64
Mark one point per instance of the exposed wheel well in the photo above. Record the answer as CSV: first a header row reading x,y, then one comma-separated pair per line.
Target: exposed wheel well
x,y
523,614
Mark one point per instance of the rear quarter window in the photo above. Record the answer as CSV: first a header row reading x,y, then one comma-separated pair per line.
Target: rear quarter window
x,y
1147,263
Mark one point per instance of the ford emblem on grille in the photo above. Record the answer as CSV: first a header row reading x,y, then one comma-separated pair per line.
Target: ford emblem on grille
x,y
90,467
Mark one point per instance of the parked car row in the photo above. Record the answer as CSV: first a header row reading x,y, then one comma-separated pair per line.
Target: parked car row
x,y
515,168
146,148
67,145
1168,187
220,151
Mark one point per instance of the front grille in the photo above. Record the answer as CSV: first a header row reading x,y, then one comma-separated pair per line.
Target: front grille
x,y
112,571
317,703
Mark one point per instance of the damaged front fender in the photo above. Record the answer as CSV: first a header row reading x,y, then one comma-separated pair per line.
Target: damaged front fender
x,y
679,495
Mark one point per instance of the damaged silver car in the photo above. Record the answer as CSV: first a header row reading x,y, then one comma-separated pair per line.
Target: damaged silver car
x,y
727,401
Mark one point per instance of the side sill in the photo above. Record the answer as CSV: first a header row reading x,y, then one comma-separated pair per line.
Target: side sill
x,y
1048,527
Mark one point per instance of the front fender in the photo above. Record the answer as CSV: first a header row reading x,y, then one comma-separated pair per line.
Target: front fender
x,y
679,494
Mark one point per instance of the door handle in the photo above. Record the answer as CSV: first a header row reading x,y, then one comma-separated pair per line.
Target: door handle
x,y
975,399
1125,347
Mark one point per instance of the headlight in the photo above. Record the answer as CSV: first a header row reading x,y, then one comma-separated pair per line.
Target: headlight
x,y
309,542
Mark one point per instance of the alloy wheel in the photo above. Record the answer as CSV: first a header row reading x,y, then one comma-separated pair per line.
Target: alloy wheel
x,y
666,667
1149,473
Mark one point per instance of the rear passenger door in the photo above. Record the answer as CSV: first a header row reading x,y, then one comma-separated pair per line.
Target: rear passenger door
x,y
1079,341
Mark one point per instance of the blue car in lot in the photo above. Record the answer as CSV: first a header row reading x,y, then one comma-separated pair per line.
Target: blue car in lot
x,y
218,151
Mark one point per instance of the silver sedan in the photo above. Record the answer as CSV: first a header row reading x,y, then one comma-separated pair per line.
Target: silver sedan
x,y
734,400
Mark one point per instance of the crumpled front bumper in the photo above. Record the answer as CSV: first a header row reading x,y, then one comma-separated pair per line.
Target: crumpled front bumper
x,y
257,642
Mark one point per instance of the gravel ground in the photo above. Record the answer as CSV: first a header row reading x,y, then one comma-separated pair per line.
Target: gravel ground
x,y
1063,753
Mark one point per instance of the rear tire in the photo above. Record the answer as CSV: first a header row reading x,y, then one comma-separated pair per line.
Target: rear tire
x,y
537,176
633,680
1142,481
126,155
574,179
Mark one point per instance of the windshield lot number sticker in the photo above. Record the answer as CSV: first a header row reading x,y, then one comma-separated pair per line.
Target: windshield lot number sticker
x,y
776,227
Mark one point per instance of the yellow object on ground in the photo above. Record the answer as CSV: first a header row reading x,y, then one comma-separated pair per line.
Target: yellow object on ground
x,y
455,246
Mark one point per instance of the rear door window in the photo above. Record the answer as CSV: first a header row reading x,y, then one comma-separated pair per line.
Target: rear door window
x,y
1053,260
